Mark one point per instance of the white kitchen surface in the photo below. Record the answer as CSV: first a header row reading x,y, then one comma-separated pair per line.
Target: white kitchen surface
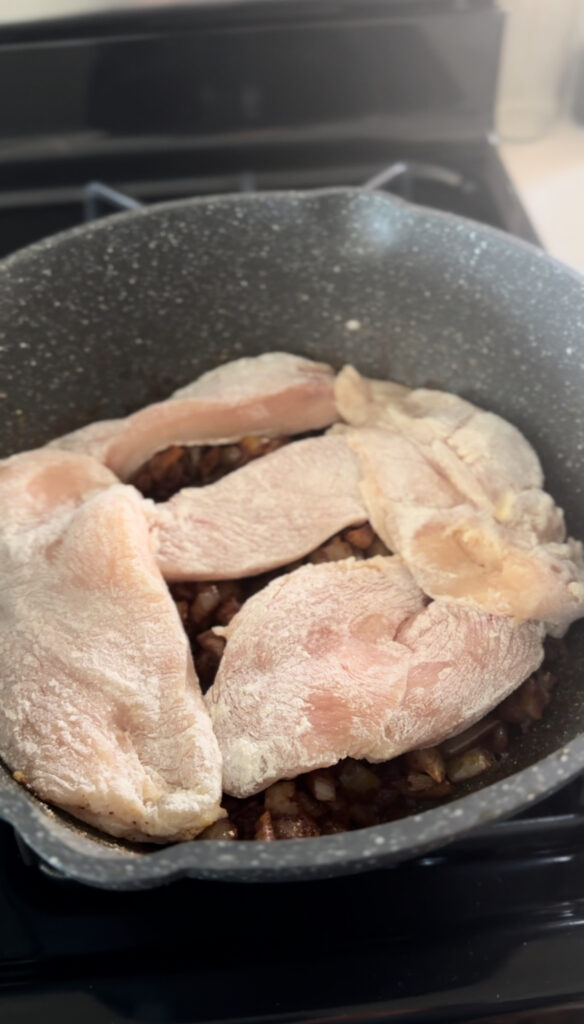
x,y
549,176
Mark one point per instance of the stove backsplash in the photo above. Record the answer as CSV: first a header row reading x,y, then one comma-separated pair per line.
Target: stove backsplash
x,y
212,80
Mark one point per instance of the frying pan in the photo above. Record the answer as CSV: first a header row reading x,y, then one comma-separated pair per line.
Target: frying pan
x,y
100,320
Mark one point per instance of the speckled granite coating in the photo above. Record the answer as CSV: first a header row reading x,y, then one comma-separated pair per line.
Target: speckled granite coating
x,y
102,319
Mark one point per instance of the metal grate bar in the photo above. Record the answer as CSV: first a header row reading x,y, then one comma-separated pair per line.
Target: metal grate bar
x,y
96,195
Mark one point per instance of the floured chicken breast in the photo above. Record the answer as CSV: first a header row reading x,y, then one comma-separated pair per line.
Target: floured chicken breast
x,y
101,711
100,708
457,492
266,514
347,659
485,457
271,394
38,488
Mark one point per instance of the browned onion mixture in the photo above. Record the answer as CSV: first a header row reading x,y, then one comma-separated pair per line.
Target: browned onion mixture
x,y
352,794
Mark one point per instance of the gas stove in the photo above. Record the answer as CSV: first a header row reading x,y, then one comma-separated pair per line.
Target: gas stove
x,y
158,104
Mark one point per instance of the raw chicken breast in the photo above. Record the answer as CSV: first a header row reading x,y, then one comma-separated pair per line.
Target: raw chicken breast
x,y
266,514
271,394
100,708
347,659
363,401
483,454
457,493
38,489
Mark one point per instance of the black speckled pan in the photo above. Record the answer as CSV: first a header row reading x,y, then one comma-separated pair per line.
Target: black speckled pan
x,y
100,320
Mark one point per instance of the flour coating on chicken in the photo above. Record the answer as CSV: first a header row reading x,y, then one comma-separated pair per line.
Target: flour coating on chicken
x,y
266,514
457,492
349,660
100,708
271,394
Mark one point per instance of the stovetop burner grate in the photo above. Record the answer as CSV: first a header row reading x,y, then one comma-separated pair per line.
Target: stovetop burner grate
x,y
401,177
467,179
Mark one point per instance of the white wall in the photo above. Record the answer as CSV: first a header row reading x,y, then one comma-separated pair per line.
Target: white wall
x,y
540,43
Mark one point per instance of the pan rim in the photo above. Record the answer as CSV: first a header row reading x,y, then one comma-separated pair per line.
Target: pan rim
x,y
295,859
251,198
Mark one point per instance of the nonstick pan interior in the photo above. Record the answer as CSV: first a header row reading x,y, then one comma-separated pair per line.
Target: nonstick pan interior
x,y
98,321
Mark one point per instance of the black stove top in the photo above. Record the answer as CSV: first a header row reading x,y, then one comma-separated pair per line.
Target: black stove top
x,y
480,930
239,96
